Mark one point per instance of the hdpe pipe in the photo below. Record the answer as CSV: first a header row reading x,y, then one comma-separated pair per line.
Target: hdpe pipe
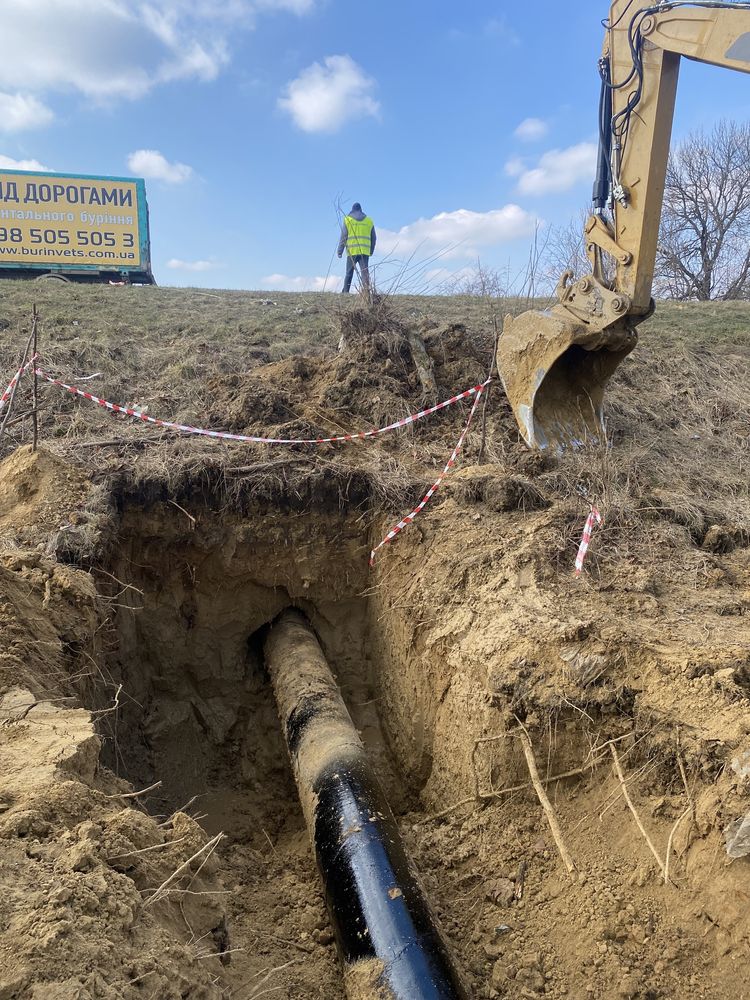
x,y
387,936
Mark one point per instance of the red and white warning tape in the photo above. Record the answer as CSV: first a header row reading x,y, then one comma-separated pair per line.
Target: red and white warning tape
x,y
432,490
7,394
594,517
250,439
475,391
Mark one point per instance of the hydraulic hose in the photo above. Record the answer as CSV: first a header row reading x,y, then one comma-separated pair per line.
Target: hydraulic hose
x,y
386,934
602,181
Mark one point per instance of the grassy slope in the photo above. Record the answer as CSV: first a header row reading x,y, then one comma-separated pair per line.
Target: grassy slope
x,y
678,408
295,323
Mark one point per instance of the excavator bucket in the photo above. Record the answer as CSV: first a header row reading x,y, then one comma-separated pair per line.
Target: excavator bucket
x,y
555,370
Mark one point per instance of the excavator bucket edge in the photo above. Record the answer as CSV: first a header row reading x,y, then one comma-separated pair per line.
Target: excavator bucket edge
x,y
555,370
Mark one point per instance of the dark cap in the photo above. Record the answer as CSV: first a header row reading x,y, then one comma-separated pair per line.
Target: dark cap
x,y
356,207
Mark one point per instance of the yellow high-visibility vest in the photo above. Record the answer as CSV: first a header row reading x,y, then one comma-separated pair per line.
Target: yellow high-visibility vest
x,y
358,235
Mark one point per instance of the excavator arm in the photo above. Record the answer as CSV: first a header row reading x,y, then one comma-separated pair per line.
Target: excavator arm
x,y
555,365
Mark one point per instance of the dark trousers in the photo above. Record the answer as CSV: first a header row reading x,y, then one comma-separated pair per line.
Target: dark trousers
x,y
364,271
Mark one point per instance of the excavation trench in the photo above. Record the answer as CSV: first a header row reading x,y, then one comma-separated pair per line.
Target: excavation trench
x,y
387,935
194,594
462,632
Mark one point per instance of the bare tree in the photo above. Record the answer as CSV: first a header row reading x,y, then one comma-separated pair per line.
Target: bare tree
x,y
480,281
704,238
704,242
526,282
565,250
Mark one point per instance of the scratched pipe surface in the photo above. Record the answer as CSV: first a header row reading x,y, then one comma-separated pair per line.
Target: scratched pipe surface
x,y
387,936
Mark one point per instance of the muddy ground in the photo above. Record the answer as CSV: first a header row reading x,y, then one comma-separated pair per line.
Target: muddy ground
x,y
137,576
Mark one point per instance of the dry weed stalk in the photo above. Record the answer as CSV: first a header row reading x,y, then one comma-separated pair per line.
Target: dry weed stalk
x,y
182,809
255,988
12,398
135,795
219,954
164,889
550,813
634,811
147,850
593,759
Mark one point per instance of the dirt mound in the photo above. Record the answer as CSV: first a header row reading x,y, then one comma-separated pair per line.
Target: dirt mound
x,y
38,491
650,661
80,871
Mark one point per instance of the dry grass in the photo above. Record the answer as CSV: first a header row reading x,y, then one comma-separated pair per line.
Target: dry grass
x,y
678,412
678,458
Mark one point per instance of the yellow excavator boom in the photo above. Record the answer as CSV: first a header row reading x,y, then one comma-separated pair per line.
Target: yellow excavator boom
x,y
555,365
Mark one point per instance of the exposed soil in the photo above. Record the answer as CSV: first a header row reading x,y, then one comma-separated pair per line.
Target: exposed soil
x,y
135,587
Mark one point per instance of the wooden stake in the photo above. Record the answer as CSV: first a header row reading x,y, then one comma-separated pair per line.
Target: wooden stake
x,y
13,393
35,398
493,364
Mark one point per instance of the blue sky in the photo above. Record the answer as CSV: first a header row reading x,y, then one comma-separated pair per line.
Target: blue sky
x,y
457,126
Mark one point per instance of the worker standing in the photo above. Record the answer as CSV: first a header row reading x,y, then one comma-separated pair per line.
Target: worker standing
x,y
358,239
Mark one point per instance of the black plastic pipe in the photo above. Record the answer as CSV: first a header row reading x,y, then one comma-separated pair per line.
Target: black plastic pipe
x,y
386,933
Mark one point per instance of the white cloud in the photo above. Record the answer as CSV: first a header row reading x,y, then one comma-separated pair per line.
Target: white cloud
x,y
294,6
531,129
444,281
559,170
110,49
22,111
192,265
286,283
499,27
515,167
458,234
8,163
233,10
152,164
325,97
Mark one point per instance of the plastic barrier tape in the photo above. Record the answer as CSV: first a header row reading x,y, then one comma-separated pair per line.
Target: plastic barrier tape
x,y
432,490
475,391
249,439
7,394
583,548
